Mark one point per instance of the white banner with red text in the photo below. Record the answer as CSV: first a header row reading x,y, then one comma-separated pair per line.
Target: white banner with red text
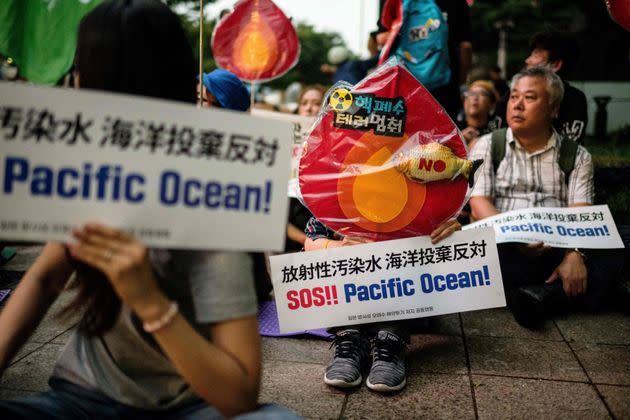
x,y
387,281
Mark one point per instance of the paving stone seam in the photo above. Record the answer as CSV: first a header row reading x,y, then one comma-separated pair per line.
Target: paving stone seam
x,y
468,367
590,380
344,405
607,384
302,362
437,372
600,344
19,389
28,353
516,338
60,334
533,378
43,343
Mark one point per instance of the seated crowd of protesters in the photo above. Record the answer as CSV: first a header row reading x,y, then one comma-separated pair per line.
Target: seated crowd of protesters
x,y
540,280
147,345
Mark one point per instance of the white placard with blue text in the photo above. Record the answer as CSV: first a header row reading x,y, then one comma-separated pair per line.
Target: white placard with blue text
x,y
386,281
174,175
570,227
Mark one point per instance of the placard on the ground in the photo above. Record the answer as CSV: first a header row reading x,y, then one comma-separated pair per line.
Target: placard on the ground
x,y
174,175
385,281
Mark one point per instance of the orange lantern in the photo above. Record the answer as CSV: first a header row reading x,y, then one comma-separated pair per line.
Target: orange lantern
x,y
257,42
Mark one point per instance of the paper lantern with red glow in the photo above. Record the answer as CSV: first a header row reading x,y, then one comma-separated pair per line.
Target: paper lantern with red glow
x,y
346,177
620,12
257,42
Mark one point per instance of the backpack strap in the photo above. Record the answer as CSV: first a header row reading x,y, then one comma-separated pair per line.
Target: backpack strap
x,y
566,156
497,147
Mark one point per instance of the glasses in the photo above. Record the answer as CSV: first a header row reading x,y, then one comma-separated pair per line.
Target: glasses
x,y
476,94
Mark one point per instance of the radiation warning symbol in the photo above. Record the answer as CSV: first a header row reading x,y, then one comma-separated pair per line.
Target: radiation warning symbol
x,y
348,176
341,100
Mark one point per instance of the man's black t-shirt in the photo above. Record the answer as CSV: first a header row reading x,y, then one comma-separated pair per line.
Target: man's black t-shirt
x,y
573,114
572,117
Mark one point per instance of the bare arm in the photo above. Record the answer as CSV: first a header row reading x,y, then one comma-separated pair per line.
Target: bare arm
x,y
482,207
37,290
295,234
572,270
224,372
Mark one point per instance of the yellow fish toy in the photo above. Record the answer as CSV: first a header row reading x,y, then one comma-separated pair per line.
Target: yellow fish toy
x,y
434,162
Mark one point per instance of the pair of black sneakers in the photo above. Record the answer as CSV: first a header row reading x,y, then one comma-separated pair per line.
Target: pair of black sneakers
x,y
352,357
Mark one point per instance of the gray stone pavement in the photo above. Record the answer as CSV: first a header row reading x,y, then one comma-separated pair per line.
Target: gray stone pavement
x,y
477,365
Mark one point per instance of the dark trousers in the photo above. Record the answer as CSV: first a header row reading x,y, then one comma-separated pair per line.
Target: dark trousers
x,y
604,270
69,401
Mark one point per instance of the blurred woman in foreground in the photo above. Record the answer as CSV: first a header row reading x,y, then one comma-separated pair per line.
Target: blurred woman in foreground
x,y
163,334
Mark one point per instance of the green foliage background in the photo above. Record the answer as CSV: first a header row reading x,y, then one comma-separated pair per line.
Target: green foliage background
x,y
314,47
605,46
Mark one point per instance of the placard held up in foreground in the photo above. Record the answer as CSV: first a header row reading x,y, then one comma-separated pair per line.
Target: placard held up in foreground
x,y
208,179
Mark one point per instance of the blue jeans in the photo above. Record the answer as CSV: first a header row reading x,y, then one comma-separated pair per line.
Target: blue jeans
x,y
66,400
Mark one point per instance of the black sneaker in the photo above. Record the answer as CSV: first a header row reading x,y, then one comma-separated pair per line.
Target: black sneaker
x,y
352,351
388,363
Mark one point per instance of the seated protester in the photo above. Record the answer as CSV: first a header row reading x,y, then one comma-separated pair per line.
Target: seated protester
x,y
559,51
352,343
477,118
539,279
309,103
310,100
163,333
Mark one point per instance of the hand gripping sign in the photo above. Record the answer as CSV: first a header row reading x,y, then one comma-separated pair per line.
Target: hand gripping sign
x,y
384,160
377,282
208,178
257,42
570,227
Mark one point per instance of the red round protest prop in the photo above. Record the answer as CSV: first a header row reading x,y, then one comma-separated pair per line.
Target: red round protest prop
x,y
351,176
620,12
257,42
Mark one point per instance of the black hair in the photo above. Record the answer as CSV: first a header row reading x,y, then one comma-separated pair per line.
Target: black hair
x,y
561,46
135,47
